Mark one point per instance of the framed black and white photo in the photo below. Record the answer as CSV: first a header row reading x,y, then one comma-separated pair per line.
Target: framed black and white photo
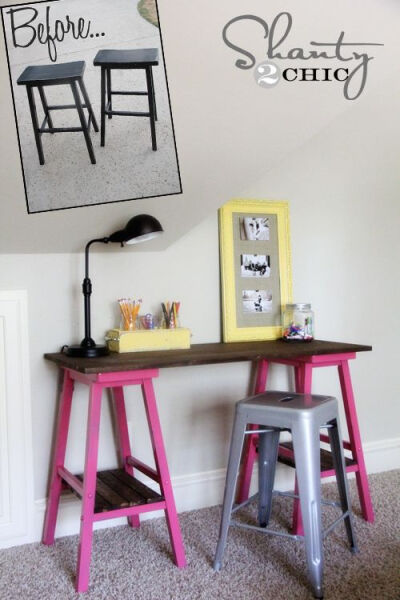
x,y
255,265
255,268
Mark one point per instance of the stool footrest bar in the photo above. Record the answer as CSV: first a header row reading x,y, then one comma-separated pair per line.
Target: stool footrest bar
x,y
336,522
64,106
125,113
60,130
252,431
143,468
265,530
245,503
121,93
75,483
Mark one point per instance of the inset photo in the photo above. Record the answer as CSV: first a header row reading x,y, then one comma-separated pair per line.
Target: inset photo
x,y
254,228
255,265
256,301
91,102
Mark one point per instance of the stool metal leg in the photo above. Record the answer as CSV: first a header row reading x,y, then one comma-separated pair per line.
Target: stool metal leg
x,y
153,93
45,106
151,108
341,478
235,452
307,451
162,469
303,381
250,448
103,106
35,123
267,456
64,413
88,104
82,119
89,488
123,438
109,96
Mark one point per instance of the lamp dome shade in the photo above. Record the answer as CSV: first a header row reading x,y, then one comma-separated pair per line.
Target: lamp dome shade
x,y
138,229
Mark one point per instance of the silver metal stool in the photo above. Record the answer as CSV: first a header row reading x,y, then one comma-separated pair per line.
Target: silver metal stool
x,y
303,415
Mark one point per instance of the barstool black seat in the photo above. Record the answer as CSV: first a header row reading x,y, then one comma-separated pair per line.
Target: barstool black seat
x,y
139,58
40,76
52,74
127,59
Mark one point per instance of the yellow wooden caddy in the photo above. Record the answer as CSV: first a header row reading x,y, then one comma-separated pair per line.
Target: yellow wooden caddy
x,y
140,340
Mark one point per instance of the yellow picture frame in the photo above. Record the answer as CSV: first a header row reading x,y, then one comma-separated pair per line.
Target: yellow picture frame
x,y
241,326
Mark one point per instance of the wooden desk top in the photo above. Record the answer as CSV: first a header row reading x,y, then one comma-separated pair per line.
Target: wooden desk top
x,y
203,354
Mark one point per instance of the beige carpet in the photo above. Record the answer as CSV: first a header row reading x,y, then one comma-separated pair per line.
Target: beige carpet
x,y
136,565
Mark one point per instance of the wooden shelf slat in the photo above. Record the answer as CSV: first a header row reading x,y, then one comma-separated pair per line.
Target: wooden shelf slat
x,y
117,489
326,458
136,485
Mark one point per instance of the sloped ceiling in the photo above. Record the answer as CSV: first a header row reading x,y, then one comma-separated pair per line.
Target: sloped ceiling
x,y
229,131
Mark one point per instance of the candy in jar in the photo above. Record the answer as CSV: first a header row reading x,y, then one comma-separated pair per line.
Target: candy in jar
x,y
298,323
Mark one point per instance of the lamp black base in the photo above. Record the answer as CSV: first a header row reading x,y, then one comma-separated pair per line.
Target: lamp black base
x,y
86,352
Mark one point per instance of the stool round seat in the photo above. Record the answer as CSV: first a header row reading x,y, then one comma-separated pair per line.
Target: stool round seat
x,y
127,59
303,415
52,74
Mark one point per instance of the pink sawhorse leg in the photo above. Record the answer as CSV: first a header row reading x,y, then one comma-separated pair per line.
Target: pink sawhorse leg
x,y
163,472
123,438
64,412
355,441
89,488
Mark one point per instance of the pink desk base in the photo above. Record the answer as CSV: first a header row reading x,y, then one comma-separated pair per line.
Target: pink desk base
x,y
87,488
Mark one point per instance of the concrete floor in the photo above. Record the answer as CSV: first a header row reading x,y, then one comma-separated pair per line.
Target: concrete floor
x,y
127,167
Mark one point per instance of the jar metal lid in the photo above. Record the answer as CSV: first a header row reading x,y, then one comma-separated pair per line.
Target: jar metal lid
x,y
299,306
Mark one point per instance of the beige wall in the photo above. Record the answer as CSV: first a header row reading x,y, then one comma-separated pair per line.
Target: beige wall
x,y
341,179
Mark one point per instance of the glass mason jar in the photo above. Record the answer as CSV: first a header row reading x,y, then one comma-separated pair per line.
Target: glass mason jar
x,y
298,323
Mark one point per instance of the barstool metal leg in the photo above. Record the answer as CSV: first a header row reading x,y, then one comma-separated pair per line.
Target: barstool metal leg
x,y
249,453
268,444
88,104
109,96
103,106
303,381
151,108
307,452
235,452
123,439
45,106
341,478
89,488
35,123
82,119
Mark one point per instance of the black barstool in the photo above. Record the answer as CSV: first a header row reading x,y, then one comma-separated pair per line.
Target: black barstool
x,y
127,59
70,74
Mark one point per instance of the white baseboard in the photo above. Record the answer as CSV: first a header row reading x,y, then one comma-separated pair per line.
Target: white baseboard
x,y
200,490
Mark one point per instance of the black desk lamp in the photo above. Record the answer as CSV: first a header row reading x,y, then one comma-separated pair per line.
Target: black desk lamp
x,y
139,229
